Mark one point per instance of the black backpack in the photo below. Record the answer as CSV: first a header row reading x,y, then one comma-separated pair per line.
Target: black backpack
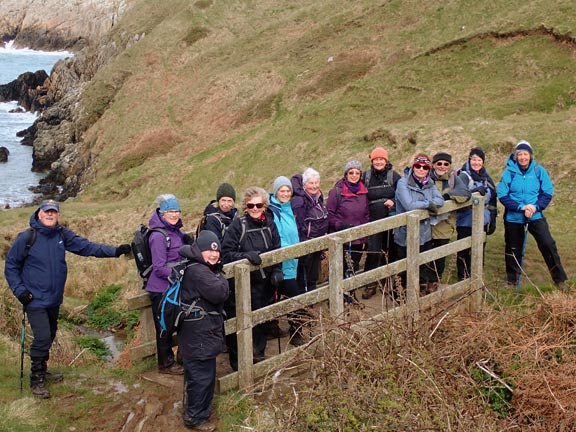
x,y
141,250
172,311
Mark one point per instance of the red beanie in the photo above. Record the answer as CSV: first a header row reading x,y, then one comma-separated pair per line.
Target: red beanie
x,y
422,159
379,152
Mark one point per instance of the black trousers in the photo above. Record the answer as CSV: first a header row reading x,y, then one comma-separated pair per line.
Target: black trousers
x,y
380,250
199,383
163,343
308,271
426,272
438,266
514,238
464,257
260,292
44,324
352,256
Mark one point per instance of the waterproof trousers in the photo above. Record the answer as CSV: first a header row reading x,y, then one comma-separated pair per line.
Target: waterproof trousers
x,y
44,324
163,343
514,238
199,382
308,271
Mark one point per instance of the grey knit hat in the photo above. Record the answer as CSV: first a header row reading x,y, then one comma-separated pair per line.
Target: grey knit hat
x,y
279,182
353,164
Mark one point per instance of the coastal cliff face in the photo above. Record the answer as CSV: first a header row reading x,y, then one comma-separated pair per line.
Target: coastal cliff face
x,y
78,26
57,24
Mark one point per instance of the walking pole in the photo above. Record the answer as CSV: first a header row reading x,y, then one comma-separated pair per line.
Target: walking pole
x,y
22,338
522,257
276,298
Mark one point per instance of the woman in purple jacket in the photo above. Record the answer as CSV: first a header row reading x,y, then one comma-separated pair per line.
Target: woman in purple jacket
x,y
312,221
165,221
347,208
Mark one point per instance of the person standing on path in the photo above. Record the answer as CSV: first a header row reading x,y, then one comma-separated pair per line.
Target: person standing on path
x,y
525,190
36,272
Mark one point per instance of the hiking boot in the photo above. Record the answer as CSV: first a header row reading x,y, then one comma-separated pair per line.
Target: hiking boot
x,y
274,331
54,377
369,291
40,390
563,287
175,369
297,340
205,426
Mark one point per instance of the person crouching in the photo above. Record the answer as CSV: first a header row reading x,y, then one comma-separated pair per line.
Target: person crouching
x,y
201,337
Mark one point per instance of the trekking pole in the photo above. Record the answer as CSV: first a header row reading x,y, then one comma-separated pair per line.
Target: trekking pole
x,y
22,338
521,263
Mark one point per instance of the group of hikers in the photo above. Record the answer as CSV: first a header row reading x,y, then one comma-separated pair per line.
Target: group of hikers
x,y
295,210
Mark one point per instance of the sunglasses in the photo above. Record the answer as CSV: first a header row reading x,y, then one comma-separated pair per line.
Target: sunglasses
x,y
442,163
252,205
424,167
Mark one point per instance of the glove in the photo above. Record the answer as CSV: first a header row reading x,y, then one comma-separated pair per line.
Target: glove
x,y
276,277
187,239
123,249
253,257
25,298
433,209
480,189
446,197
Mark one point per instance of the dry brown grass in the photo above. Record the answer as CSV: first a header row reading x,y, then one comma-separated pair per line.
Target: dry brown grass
x,y
443,373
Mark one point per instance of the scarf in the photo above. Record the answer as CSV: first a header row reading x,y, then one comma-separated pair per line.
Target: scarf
x,y
352,187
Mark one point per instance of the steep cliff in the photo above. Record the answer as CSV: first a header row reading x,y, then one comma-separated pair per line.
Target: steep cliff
x,y
57,24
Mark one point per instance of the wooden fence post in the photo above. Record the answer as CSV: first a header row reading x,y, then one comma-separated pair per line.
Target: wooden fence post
x,y
244,326
336,271
412,266
477,252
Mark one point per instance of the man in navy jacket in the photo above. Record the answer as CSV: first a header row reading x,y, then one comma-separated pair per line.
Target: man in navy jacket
x,y
36,271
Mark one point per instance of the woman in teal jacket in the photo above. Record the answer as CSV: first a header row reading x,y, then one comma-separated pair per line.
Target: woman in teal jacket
x,y
525,190
285,221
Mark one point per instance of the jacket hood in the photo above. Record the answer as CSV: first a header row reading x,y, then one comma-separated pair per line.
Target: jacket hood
x,y
297,186
192,252
512,164
156,221
211,208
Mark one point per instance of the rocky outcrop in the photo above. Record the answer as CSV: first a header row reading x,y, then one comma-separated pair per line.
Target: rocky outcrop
x,y
4,152
58,24
28,89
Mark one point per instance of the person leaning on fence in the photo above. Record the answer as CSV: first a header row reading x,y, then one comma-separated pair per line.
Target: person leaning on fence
x,y
478,181
312,220
525,190
416,190
167,218
347,208
286,224
452,186
381,181
200,338
36,272
219,213
247,237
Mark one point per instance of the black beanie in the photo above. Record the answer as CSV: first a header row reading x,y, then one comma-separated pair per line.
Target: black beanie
x,y
225,190
207,240
477,151
442,156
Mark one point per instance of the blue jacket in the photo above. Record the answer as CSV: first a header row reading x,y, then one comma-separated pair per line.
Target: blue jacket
x,y
519,187
286,224
43,272
161,258
409,196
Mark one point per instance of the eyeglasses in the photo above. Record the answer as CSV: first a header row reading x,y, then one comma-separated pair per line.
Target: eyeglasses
x,y
354,172
173,212
424,167
252,205
442,163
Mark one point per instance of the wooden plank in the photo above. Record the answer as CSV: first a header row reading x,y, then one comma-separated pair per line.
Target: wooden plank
x,y
139,301
336,294
244,324
412,265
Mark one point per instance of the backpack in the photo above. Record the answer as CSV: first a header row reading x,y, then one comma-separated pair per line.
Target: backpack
x,y
172,311
32,238
141,250
202,224
245,230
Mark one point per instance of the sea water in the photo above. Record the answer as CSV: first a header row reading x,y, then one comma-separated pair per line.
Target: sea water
x,y
16,176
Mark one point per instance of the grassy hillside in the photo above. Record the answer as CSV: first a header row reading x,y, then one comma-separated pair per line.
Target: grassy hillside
x,y
243,91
